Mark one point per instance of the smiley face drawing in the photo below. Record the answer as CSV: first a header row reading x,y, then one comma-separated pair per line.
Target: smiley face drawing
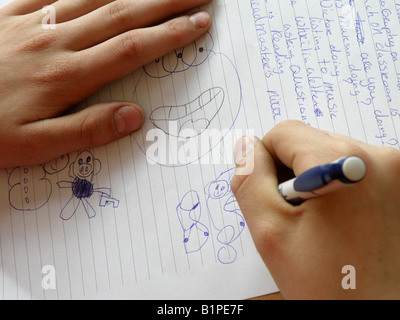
x,y
185,94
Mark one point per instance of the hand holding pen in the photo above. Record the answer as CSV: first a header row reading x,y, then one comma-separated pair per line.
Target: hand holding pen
x,y
307,245
323,179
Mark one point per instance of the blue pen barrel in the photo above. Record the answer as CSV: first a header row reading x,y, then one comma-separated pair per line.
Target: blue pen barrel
x,y
346,170
318,177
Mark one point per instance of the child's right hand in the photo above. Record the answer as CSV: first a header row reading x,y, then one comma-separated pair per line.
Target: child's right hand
x,y
305,247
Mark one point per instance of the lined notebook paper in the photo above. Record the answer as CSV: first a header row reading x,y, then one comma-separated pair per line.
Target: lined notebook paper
x,y
152,215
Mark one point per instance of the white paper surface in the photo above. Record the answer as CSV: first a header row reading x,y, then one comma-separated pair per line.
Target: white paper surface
x,y
150,221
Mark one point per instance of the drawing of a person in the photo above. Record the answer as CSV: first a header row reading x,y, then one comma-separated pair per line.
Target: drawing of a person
x,y
83,170
228,222
195,233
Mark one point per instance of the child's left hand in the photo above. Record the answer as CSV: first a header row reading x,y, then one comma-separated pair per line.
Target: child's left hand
x,y
45,71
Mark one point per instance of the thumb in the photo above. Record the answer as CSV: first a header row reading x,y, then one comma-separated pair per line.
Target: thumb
x,y
257,192
255,186
93,126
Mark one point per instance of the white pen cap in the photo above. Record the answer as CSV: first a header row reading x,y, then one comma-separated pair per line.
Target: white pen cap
x,y
354,169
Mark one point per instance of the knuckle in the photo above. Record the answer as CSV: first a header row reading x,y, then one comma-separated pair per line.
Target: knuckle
x,y
173,26
174,31
59,70
117,13
89,131
130,47
41,41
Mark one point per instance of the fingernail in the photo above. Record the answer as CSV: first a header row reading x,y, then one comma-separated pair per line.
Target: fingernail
x,y
200,19
244,146
128,119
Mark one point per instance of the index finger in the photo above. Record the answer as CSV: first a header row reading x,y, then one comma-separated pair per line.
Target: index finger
x,y
125,53
121,16
301,147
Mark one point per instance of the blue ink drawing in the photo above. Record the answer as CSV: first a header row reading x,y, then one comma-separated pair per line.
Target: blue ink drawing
x,y
228,222
83,170
195,233
224,213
